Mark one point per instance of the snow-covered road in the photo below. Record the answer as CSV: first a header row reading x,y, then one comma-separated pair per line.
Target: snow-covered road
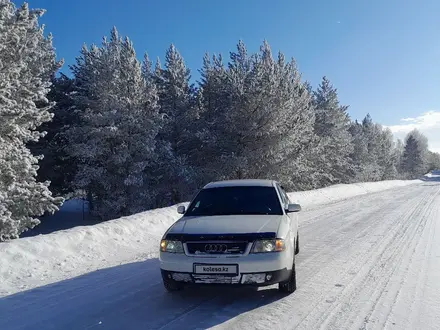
x,y
370,262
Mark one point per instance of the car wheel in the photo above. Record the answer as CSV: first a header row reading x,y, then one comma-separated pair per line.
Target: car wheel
x,y
290,285
171,285
297,244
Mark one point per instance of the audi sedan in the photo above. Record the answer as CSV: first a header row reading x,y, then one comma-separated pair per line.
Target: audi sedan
x,y
240,232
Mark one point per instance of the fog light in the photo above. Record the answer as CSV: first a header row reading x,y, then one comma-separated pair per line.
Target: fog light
x,y
253,278
268,277
182,277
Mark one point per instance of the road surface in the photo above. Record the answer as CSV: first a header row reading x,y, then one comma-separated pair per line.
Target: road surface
x,y
371,262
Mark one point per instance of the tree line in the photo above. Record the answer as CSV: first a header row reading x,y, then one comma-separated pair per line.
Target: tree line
x,y
131,135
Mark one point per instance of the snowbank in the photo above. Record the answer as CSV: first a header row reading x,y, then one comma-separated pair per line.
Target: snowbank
x,y
34,261
336,193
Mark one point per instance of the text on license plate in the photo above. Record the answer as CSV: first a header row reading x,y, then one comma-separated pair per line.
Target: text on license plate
x,y
215,269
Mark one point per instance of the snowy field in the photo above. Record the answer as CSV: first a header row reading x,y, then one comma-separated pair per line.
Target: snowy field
x,y
369,259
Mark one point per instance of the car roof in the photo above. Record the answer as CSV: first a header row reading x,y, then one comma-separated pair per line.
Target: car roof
x,y
240,183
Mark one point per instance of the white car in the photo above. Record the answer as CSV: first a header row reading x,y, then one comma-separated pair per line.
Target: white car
x,y
242,232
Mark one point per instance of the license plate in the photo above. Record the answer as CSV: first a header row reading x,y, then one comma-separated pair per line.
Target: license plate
x,y
215,269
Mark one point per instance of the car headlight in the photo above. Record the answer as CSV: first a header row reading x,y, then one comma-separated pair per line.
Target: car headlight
x,y
171,246
268,245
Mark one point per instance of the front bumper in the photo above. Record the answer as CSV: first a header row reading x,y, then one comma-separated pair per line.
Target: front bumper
x,y
248,279
252,269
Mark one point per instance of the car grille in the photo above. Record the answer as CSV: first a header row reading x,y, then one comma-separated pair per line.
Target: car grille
x,y
228,248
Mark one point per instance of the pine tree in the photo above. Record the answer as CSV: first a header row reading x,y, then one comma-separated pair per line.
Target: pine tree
x,y
27,62
212,102
398,155
359,155
415,155
259,123
387,157
332,126
372,170
176,100
375,155
411,155
433,161
115,141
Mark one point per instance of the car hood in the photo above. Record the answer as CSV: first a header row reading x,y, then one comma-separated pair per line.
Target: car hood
x,y
231,224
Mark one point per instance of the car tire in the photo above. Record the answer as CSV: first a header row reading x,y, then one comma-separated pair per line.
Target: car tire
x,y
297,244
171,285
290,285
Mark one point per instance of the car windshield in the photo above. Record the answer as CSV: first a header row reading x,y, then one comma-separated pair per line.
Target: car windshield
x,y
234,201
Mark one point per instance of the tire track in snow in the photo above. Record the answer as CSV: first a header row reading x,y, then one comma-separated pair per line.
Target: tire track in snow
x,y
416,269
372,271
371,286
349,274
391,292
350,258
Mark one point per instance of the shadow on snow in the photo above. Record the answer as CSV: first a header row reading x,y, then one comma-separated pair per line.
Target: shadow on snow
x,y
72,213
129,296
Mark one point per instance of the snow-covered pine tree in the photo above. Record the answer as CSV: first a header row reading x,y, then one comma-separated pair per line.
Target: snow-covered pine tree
x,y
387,158
115,142
399,148
359,155
433,161
411,157
372,171
27,62
415,155
216,101
332,125
176,100
292,147
212,100
258,115
375,155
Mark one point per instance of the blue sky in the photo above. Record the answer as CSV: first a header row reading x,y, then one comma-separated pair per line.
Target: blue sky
x,y
382,55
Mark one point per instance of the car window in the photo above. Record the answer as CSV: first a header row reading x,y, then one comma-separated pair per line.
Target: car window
x,y
234,201
284,194
281,194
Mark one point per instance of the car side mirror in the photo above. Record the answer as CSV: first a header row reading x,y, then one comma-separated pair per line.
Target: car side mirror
x,y
181,209
293,208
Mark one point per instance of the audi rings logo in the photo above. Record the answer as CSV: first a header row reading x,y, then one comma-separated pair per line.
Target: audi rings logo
x,y
216,248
